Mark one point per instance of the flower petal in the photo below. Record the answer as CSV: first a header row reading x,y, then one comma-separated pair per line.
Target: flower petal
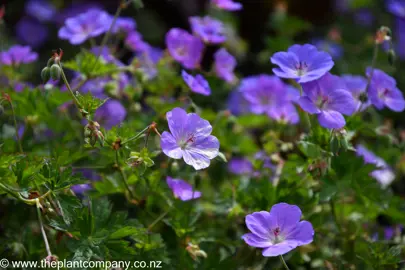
x,y
255,241
331,119
286,216
260,223
169,146
303,233
342,101
279,249
307,105
177,120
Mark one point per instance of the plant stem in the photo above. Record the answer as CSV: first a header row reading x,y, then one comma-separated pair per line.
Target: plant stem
x,y
306,115
16,127
121,6
159,218
284,263
373,63
137,136
76,101
333,209
48,249
123,175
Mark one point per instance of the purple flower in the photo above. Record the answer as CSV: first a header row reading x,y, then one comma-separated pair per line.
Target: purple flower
x,y
148,60
334,49
135,42
42,10
197,84
302,62
210,30
184,47
124,24
357,86
76,8
384,174
278,231
189,138
110,114
181,189
81,189
383,91
225,63
85,26
396,7
364,17
328,98
240,166
107,55
31,32
227,5
17,55
268,94
285,113
400,37
237,104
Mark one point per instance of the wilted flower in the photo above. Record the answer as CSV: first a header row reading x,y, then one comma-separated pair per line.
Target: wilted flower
x,y
227,5
357,86
189,138
17,55
384,174
41,10
85,26
225,63
110,114
31,32
328,98
184,47
278,231
302,62
210,30
181,189
197,84
383,91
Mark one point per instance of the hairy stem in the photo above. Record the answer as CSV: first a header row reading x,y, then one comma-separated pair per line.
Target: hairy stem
x,y
137,136
284,263
48,249
123,175
75,100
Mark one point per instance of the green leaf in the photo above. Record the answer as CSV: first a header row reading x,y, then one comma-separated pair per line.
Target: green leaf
x,y
89,103
85,63
126,231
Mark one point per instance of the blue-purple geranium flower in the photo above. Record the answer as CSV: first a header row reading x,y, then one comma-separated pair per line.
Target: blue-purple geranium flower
x,y
396,7
278,231
384,174
31,32
268,94
110,114
198,84
189,138
225,63
184,47
135,42
303,63
182,190
334,49
240,166
41,10
17,55
357,86
227,5
329,99
383,91
85,26
210,30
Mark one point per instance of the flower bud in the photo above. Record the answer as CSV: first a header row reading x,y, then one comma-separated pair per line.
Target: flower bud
x,y
45,74
55,72
391,57
50,62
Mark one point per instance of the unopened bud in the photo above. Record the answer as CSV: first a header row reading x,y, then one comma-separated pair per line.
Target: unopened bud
x,y
55,72
45,74
50,62
391,57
